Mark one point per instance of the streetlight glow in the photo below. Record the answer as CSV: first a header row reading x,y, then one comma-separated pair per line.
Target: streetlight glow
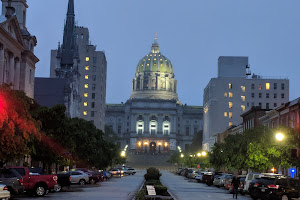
x,y
279,136
123,153
199,154
182,155
204,153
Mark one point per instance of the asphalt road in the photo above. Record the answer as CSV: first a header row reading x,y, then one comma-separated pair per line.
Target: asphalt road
x,y
114,189
185,189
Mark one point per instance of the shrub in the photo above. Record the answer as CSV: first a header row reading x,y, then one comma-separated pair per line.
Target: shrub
x,y
152,174
140,195
152,182
161,190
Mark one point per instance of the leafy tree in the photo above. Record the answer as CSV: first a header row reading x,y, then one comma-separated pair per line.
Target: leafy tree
x,y
17,127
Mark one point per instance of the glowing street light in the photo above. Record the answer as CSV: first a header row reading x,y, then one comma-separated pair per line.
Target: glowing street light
x,y
273,169
182,155
123,154
204,153
279,136
199,154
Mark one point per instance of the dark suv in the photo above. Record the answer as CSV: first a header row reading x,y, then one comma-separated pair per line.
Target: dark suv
x,y
273,188
13,180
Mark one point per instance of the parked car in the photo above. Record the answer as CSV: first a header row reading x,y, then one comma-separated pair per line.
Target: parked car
x,y
13,180
208,178
252,176
179,170
192,173
131,171
4,193
96,177
199,176
106,175
38,184
115,171
219,180
79,177
63,180
241,186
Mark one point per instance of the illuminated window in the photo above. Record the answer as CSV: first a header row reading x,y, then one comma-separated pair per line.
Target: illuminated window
x,y
243,88
85,113
225,94
85,103
230,123
87,68
243,108
154,58
87,59
243,98
259,87
230,114
86,76
147,64
230,104
86,94
225,114
267,86
230,94
86,85
150,54
230,86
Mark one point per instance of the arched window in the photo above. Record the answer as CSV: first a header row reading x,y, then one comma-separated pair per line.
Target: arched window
x,y
166,127
153,127
146,83
140,127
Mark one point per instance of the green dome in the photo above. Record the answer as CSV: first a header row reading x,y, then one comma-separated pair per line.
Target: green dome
x,y
155,62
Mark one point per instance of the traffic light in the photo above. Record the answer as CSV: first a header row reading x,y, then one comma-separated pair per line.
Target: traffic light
x,y
294,153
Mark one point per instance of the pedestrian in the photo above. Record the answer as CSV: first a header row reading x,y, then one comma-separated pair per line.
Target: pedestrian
x,y
235,185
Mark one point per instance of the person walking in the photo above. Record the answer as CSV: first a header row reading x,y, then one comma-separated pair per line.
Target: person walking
x,y
235,185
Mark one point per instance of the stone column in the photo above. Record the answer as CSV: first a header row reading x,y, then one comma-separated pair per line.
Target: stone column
x,y
133,124
135,84
17,75
2,60
11,68
146,124
158,83
167,84
142,83
160,124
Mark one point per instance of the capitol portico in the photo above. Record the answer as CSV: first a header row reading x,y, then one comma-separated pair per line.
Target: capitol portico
x,y
153,120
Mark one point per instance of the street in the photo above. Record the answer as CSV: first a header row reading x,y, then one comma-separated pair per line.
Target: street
x,y
188,189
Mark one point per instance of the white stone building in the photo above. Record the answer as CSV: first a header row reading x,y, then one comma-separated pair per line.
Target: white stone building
x,y
153,120
234,92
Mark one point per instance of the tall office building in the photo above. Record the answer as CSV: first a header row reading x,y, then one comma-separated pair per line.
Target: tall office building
x,y
234,92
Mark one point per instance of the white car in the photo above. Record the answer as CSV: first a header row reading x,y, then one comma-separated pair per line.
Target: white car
x,y
199,176
79,177
4,193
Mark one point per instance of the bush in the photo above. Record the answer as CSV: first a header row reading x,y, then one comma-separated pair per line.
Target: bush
x,y
152,182
152,174
140,195
161,190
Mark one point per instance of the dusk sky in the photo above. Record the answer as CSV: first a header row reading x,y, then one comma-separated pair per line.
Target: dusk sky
x,y
192,34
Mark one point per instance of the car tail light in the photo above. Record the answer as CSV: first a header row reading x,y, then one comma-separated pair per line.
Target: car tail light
x,y
20,181
256,185
5,188
70,178
55,178
273,186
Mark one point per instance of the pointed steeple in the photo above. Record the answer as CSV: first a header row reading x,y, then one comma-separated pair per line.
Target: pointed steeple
x,y
69,40
155,46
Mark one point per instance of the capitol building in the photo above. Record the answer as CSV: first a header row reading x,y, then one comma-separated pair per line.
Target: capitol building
x,y
153,120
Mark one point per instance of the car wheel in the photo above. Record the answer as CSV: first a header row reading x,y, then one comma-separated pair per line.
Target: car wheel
x,y
92,181
285,197
58,188
40,190
82,182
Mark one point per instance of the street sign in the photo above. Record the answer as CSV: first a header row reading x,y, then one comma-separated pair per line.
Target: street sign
x,y
151,190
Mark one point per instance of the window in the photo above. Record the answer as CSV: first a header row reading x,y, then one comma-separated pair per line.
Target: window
x,y
87,59
252,95
267,95
93,114
86,94
94,68
275,86
87,68
85,113
93,86
30,76
267,106
252,86
153,129
225,94
248,104
252,104
93,105
230,86
275,105
81,36
282,86
243,88
259,104
243,108
282,95
230,94
187,131
93,95
119,129
225,114
230,124
86,77
230,104
94,77
166,127
259,95
195,130
275,95
259,87
94,60
243,98
230,114
85,103
267,86
86,85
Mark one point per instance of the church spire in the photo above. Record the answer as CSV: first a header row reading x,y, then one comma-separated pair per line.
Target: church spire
x,y
69,42
155,46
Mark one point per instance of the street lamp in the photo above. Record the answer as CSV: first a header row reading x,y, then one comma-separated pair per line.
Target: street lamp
x,y
199,154
182,155
123,154
204,153
279,136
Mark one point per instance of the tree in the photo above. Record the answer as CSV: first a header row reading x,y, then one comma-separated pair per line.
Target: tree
x,y
17,127
196,145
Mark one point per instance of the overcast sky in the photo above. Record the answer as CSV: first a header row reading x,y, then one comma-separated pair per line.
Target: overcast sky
x,y
191,33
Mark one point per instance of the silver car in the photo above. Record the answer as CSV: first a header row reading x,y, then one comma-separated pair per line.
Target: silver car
x,y
4,193
79,177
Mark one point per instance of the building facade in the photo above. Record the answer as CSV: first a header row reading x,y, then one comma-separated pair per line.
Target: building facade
x,y
234,92
153,120
17,59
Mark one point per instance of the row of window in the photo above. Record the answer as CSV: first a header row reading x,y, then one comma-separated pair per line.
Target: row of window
x,y
243,88
87,95
87,59
86,86
87,68
267,105
85,104
230,105
267,95
85,113
86,77
260,86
